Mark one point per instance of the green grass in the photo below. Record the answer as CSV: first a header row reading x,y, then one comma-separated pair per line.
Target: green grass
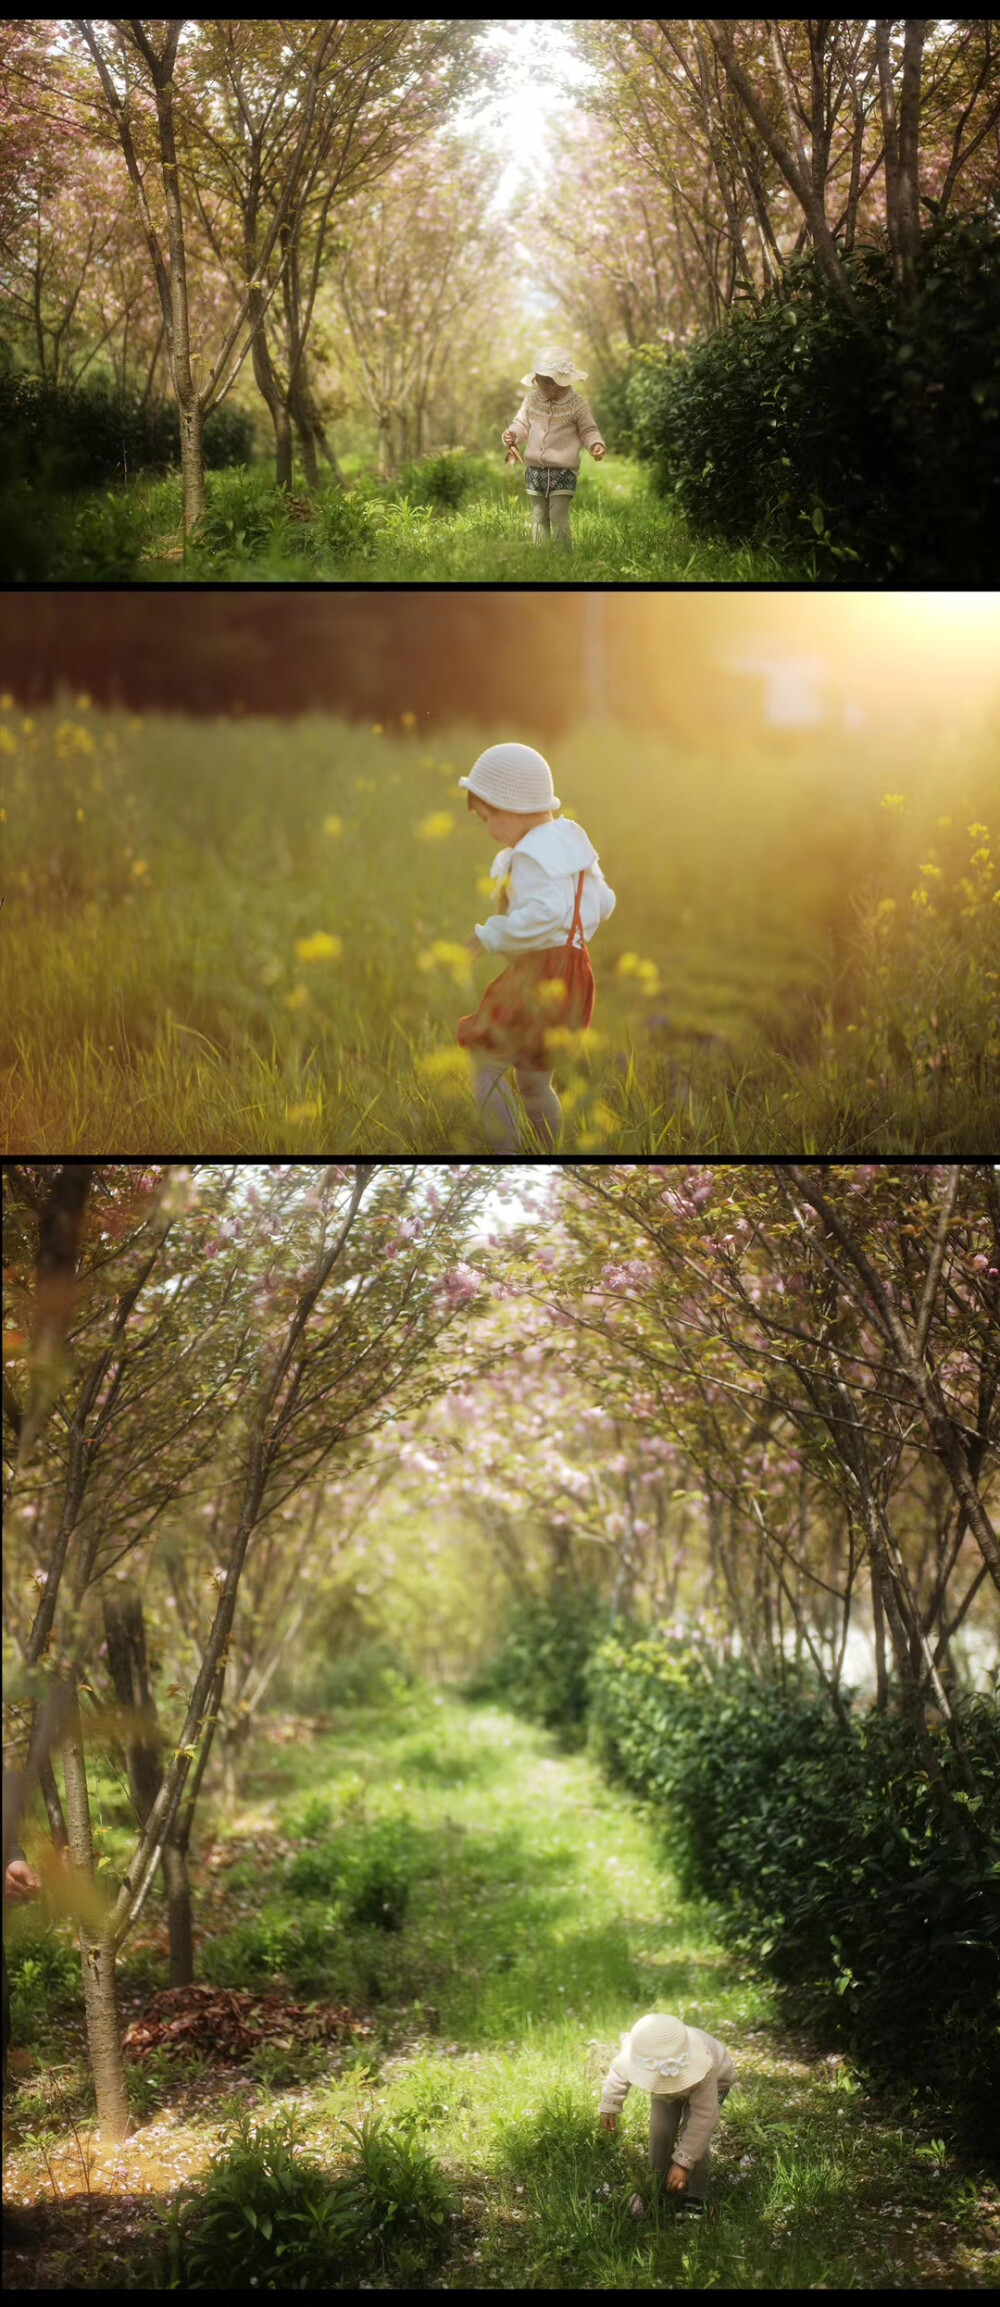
x,y
383,532
542,1918
160,874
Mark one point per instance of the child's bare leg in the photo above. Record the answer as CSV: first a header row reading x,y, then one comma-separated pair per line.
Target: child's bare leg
x,y
559,506
497,1110
541,1105
540,520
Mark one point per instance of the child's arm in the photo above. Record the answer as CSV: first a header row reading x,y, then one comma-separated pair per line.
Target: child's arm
x,y
535,911
703,2114
614,2092
517,431
590,433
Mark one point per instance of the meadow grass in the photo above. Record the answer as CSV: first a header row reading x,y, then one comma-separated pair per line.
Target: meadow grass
x,y
541,1917
623,532
246,937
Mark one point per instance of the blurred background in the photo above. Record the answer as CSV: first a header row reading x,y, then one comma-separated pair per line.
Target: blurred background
x,y
704,666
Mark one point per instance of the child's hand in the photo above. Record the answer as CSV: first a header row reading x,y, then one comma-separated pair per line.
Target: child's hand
x,y
598,451
609,2122
677,2178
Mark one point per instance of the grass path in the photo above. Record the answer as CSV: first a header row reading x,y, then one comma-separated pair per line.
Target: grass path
x,y
542,1918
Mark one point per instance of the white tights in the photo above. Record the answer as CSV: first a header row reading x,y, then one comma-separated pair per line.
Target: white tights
x,y
498,1111
558,506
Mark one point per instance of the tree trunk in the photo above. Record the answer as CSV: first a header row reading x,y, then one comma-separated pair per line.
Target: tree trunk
x,y
104,2040
126,1634
192,461
384,445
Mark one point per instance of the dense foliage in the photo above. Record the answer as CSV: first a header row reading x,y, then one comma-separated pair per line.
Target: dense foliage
x,y
79,436
869,437
540,1666
825,1845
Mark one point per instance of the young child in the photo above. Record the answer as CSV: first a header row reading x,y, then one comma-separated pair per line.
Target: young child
x,y
557,897
688,2075
552,420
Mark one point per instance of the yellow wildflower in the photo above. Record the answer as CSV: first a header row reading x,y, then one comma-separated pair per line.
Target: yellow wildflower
x,y
487,888
3,816
978,832
7,701
981,857
933,872
80,815
892,801
319,947
139,868
627,965
27,728
303,1112
436,827
439,1063
441,954
333,826
407,720
84,703
552,992
297,998
8,743
377,729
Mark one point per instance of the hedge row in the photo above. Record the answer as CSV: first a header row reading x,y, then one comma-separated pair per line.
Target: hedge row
x,y
877,447
81,436
824,1847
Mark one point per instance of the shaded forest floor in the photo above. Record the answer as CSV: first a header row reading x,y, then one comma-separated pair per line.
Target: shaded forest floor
x,y
380,532
535,1917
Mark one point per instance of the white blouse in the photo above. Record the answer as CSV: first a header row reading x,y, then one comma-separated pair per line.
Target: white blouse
x,y
543,867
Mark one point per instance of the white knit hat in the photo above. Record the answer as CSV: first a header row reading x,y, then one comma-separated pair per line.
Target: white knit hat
x,y
512,777
560,366
659,2055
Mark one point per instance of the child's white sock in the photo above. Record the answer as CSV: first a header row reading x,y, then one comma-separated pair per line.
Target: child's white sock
x,y
497,1110
541,1105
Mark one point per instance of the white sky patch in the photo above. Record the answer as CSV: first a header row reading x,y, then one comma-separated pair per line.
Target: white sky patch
x,y
516,122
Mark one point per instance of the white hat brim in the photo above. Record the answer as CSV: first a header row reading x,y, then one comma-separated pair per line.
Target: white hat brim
x,y
560,376
664,2086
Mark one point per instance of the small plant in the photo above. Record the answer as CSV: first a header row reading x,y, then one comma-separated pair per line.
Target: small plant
x,y
440,481
265,2215
393,2199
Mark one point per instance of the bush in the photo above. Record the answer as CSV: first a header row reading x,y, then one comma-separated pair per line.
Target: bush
x,y
874,447
65,437
540,1667
369,1674
371,1867
440,480
826,1845
45,1982
302,1948
270,2217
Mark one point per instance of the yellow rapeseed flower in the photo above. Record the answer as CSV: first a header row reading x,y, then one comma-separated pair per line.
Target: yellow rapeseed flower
x,y
27,728
7,701
626,965
303,1112
8,743
408,720
333,826
439,1063
377,729
892,801
552,992
978,832
319,947
436,827
297,998
139,868
84,703
3,816
485,887
442,954
80,815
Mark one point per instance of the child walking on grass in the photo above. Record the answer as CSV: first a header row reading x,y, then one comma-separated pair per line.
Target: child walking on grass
x,y
553,422
556,898
688,2075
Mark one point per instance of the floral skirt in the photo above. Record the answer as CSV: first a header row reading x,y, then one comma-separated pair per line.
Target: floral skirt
x,y
535,993
549,480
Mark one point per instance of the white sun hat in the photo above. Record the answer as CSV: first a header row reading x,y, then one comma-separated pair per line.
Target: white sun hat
x,y
660,2055
512,777
560,366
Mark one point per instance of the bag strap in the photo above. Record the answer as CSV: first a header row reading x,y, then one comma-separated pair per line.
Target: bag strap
x,y
576,923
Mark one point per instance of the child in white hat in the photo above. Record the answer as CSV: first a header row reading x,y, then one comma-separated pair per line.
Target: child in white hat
x,y
556,898
553,422
688,2075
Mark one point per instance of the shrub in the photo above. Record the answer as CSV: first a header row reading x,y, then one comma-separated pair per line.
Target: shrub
x,y
371,1673
44,1979
301,1947
540,1667
371,1866
873,446
440,480
825,1844
270,2217
82,436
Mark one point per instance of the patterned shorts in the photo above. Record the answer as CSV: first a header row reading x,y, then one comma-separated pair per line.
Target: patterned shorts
x,y
548,480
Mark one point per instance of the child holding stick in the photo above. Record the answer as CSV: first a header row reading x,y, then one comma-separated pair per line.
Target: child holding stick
x,y
552,423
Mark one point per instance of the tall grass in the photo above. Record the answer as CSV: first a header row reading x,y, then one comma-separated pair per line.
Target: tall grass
x,y
769,982
378,532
